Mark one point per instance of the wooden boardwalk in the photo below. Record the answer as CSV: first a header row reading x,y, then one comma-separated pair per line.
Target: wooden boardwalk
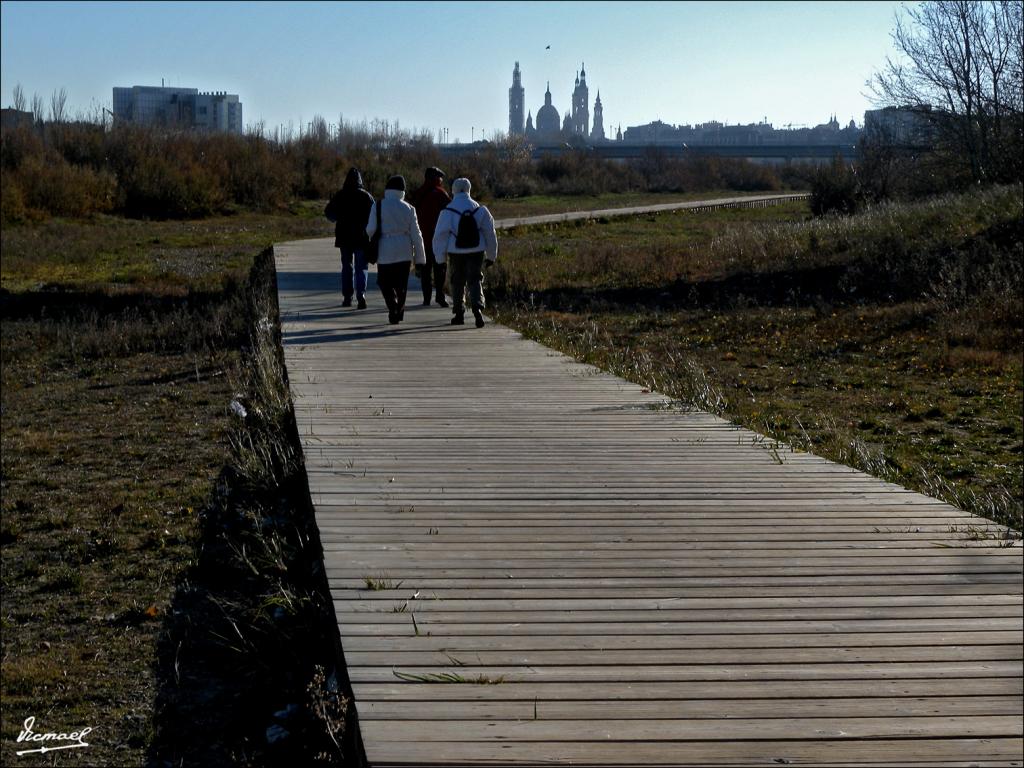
x,y
566,571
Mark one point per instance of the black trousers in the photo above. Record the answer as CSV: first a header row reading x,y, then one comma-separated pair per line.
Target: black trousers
x,y
393,280
433,275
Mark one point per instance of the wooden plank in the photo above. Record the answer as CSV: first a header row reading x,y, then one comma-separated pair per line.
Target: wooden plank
x,y
703,709
361,624
651,585
884,753
699,691
468,660
767,729
822,672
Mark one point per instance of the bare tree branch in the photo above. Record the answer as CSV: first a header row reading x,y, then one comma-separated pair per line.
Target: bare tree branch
x,y
19,98
37,108
960,67
58,105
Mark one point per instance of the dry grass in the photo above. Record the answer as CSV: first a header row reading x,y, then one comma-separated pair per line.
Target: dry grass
x,y
155,550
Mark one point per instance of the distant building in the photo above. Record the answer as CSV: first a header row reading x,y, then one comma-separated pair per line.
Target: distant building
x,y
549,127
900,125
597,134
716,134
580,113
516,104
12,118
178,108
574,126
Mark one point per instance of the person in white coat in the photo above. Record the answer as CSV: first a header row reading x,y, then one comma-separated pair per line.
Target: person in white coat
x,y
466,257
400,244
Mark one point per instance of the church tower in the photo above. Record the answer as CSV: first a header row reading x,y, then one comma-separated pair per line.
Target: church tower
x,y
516,102
598,133
580,109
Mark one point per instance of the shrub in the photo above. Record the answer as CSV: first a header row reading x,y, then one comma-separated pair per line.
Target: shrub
x,y
53,186
834,190
12,201
73,169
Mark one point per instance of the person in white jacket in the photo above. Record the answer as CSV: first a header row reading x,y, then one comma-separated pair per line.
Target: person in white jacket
x,y
400,244
466,259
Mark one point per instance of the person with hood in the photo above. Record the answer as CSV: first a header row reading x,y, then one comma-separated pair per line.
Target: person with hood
x,y
400,243
465,236
349,208
429,200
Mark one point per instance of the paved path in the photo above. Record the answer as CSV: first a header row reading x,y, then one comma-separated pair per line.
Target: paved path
x,y
535,562
745,201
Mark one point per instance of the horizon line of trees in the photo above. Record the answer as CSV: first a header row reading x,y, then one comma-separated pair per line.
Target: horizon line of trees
x,y
82,168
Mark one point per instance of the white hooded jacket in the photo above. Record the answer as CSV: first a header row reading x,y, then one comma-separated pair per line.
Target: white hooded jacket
x,y
400,239
448,224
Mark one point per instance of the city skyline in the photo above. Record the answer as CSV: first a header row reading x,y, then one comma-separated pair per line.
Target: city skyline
x,y
447,65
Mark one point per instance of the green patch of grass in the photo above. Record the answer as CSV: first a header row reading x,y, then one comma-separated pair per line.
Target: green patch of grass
x,y
95,469
650,250
125,256
951,247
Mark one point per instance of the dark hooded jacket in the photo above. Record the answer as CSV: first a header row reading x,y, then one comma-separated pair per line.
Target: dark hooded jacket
x,y
349,208
429,200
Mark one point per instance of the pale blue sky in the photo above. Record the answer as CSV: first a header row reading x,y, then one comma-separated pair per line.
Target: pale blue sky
x,y
449,64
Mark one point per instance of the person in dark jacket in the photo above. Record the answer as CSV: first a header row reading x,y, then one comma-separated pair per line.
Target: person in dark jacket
x,y
349,209
429,200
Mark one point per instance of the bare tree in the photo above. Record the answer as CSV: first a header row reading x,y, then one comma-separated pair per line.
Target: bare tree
x,y
19,98
37,109
961,69
318,130
257,130
58,106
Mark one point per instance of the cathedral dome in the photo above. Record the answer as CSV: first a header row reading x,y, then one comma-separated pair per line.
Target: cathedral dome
x,y
548,120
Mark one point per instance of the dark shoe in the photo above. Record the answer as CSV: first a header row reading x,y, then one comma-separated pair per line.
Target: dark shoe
x,y
362,303
347,302
458,320
479,318
392,318
441,302
426,302
401,314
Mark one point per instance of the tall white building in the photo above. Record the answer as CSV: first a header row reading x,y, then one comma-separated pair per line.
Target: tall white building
x,y
219,111
178,108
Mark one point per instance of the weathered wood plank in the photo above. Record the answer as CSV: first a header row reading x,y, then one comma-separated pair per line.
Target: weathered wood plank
x,y
703,709
697,690
360,624
884,753
767,729
680,673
